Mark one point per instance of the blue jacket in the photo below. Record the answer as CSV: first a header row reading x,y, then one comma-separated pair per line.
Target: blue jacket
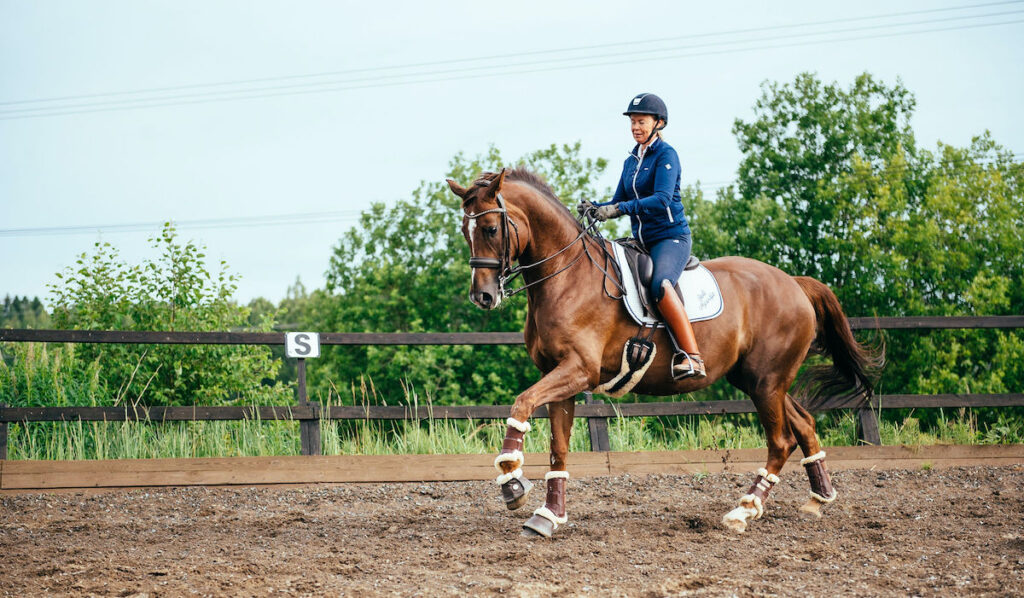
x,y
648,191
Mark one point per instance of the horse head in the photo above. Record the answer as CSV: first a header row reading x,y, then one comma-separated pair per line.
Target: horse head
x,y
495,237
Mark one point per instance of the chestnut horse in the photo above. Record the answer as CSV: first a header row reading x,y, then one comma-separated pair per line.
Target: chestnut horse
x,y
576,330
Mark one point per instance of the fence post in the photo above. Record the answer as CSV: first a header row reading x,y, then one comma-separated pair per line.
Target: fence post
x,y
867,425
598,427
309,429
3,436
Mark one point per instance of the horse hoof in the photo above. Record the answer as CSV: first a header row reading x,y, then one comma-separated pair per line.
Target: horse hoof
x,y
529,533
515,492
811,508
538,526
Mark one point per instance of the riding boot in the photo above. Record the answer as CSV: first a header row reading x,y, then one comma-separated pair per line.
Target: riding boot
x,y
686,363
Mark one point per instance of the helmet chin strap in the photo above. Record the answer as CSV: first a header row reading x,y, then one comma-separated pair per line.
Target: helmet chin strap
x,y
653,133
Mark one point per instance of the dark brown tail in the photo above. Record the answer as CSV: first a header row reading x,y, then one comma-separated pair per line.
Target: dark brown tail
x,y
849,376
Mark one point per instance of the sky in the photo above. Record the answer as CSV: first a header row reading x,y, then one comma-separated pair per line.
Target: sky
x,y
264,128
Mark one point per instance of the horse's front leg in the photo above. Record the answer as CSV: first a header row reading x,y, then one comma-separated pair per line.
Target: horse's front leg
x,y
561,383
546,519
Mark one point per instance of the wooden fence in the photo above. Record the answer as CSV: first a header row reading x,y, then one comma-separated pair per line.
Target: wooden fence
x,y
597,413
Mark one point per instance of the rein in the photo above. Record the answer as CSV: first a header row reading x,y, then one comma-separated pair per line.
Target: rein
x,y
509,272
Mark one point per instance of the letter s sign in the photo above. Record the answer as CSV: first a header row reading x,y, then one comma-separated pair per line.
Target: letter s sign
x,y
302,345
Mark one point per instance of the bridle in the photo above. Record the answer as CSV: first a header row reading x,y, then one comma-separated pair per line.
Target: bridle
x,y
507,272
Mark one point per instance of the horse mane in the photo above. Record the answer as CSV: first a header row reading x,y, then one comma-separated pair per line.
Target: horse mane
x,y
520,174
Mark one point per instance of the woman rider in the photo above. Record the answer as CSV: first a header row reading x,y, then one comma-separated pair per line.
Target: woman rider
x,y
648,192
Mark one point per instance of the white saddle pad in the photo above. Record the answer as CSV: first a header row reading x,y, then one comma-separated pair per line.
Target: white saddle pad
x,y
701,295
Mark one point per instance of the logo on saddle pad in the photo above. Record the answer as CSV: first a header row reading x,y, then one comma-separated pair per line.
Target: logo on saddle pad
x,y
697,287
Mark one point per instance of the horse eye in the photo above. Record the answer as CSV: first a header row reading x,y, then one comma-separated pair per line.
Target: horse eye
x,y
491,230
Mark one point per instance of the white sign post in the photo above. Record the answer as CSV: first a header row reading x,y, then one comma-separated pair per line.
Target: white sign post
x,y
302,345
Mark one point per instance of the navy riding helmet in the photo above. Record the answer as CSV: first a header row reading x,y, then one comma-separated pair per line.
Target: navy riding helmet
x,y
648,103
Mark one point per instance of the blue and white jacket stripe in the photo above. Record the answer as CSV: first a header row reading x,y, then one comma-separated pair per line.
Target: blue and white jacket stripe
x,y
648,192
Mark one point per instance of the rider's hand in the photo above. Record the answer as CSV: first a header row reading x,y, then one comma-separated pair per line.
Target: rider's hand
x,y
583,207
606,212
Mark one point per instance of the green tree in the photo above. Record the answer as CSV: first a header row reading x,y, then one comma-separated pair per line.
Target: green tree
x,y
832,185
405,268
22,312
175,292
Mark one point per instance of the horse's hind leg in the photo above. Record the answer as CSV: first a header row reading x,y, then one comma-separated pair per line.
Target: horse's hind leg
x,y
802,424
546,519
771,409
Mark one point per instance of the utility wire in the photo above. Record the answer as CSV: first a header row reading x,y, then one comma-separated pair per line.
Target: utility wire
x,y
511,55
218,223
937,163
674,53
313,217
255,91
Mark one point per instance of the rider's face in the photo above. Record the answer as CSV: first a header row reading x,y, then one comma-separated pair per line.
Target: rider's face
x,y
641,125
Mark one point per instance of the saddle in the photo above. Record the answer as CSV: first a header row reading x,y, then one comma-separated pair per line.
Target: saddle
x,y
642,267
697,286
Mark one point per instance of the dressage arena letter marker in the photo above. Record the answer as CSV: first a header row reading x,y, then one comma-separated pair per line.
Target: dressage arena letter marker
x,y
302,345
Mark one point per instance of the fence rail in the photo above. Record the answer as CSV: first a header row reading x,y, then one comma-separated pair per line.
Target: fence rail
x,y
597,412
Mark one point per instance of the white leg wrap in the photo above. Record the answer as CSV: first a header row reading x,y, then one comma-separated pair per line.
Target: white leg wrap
x,y
818,456
513,456
523,427
556,474
508,477
771,477
737,518
546,513
822,499
751,501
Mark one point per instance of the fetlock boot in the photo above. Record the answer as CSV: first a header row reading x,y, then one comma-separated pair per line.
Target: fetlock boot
x,y
687,363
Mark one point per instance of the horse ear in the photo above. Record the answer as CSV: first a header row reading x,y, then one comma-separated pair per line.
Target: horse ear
x,y
456,188
495,187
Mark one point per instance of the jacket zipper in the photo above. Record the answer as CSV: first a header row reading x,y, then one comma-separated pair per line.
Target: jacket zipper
x,y
640,221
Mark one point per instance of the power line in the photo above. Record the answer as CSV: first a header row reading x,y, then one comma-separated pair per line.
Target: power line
x,y
512,55
314,217
431,77
255,91
207,223
938,162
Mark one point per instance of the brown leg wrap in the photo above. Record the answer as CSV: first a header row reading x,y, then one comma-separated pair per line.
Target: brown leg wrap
x,y
546,519
556,496
513,440
821,483
761,487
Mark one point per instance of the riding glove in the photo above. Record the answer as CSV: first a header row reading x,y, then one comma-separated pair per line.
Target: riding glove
x,y
606,212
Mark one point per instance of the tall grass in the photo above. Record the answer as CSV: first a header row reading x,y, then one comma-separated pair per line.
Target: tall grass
x,y
42,376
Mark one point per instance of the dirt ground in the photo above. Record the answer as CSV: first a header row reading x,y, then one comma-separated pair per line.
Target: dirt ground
x,y
925,533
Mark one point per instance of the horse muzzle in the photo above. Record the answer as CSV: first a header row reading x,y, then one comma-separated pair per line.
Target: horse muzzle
x,y
486,299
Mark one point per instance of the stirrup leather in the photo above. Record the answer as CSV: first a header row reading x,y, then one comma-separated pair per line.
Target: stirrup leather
x,y
685,365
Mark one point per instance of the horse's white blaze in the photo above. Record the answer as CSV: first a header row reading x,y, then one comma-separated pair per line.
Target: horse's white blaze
x,y
470,227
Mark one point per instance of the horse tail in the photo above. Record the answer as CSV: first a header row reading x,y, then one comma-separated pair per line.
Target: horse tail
x,y
850,375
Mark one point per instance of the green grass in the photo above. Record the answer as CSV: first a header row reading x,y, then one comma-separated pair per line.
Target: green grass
x,y
148,440
44,375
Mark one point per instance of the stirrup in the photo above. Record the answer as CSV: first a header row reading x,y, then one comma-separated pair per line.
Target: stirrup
x,y
685,365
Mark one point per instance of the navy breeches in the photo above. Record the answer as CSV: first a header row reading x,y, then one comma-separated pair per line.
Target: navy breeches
x,y
669,256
